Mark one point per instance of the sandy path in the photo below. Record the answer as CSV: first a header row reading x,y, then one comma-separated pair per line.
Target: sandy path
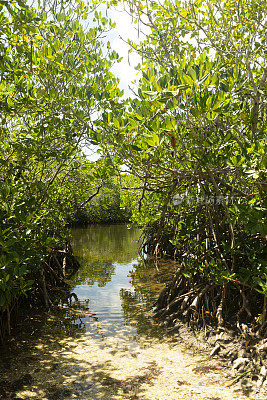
x,y
119,368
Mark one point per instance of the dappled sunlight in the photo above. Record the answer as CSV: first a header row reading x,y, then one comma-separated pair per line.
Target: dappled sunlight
x,y
167,300
86,368
100,342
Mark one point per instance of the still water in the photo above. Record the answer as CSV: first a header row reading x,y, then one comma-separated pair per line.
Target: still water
x,y
100,342
101,324
108,255
114,285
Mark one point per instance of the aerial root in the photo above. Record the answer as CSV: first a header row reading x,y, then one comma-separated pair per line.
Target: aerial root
x,y
54,272
245,305
219,313
263,328
208,304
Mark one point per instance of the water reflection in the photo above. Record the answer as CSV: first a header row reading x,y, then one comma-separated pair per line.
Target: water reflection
x,y
106,243
103,319
97,344
147,280
120,287
107,254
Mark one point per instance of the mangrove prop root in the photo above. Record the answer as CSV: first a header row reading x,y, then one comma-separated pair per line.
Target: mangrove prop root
x,y
219,313
244,306
47,301
202,303
59,266
263,329
195,302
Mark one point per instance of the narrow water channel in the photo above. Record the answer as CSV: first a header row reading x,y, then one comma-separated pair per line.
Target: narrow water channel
x,y
100,342
115,284
106,279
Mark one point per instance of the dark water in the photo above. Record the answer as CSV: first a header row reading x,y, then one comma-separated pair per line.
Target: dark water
x,y
114,284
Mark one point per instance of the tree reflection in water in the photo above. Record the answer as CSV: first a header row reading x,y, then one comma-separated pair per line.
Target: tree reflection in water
x,y
100,246
147,279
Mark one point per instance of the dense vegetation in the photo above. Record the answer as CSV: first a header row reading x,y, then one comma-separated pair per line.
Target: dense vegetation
x,y
111,205
54,77
192,142
196,138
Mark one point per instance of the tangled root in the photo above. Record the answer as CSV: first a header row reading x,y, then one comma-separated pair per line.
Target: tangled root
x,y
201,303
